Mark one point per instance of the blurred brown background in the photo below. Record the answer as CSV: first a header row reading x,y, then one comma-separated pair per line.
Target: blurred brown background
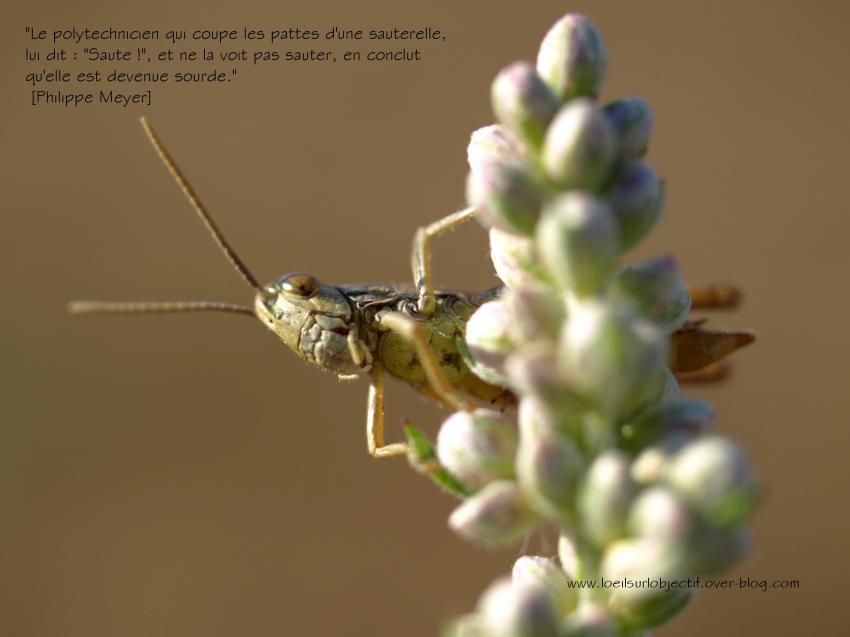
x,y
186,475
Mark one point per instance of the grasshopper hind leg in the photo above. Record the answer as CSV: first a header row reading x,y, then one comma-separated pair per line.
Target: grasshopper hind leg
x,y
713,373
715,297
410,329
421,258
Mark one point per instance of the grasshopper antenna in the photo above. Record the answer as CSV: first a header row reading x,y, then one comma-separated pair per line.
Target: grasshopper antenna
x,y
199,207
155,307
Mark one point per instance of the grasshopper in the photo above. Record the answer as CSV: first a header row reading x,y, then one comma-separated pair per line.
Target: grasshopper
x,y
413,334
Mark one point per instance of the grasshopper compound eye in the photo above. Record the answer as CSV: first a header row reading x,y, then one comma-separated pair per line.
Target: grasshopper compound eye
x,y
299,284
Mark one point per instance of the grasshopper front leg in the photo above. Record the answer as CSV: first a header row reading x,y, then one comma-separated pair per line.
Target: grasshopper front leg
x,y
375,420
375,428
421,257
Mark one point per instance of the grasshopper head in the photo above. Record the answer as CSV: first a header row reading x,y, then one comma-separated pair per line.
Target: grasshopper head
x,y
314,320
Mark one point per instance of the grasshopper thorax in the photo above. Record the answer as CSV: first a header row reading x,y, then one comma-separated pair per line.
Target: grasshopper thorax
x,y
315,321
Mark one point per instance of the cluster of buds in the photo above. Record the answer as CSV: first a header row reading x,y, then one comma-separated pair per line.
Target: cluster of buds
x,y
603,445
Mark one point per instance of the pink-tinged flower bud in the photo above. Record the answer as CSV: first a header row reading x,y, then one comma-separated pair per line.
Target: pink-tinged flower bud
x,y
632,120
523,102
491,144
489,334
542,572
639,562
659,512
580,147
590,620
578,240
477,447
495,515
604,497
507,194
714,476
549,466
533,372
572,58
613,358
568,555
535,314
637,199
649,465
515,261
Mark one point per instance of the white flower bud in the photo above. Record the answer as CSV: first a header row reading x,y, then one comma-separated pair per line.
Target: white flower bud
x,y
542,572
590,620
515,261
605,496
495,515
650,464
578,240
536,315
477,447
489,334
640,558
580,147
549,466
637,199
568,556
491,144
507,195
642,565
713,474
510,610
533,372
632,120
659,512
614,359
657,290
523,102
572,58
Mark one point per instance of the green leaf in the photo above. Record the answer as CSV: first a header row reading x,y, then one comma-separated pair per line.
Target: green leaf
x,y
423,451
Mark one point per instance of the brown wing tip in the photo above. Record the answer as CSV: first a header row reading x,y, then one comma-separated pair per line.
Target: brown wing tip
x,y
743,339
